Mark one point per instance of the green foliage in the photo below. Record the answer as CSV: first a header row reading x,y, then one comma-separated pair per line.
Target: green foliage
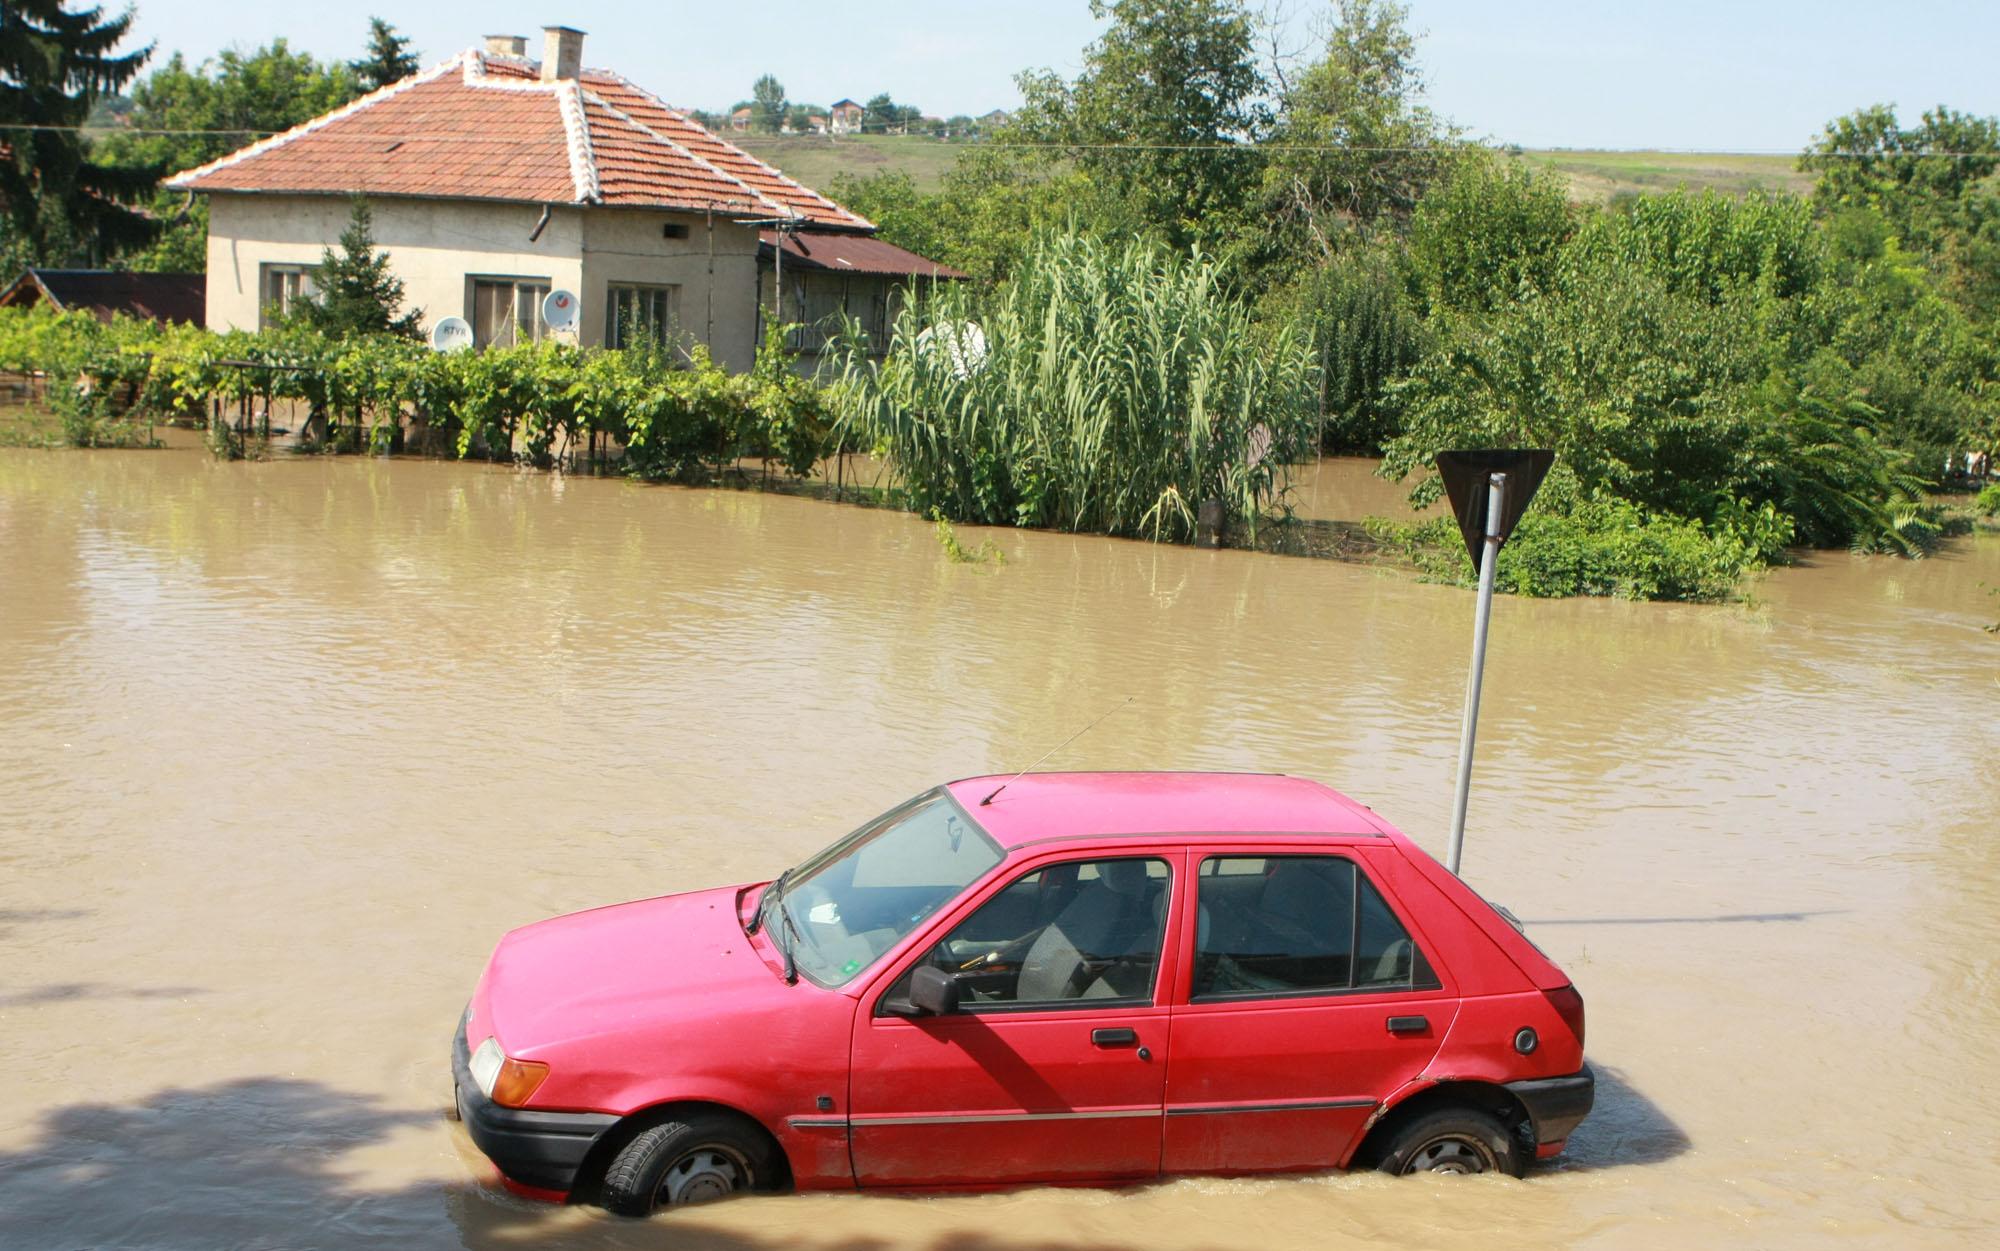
x,y
672,417
768,105
355,291
958,553
1489,233
387,59
1353,146
1604,546
59,204
1987,502
194,114
1923,179
1162,116
1364,334
1104,388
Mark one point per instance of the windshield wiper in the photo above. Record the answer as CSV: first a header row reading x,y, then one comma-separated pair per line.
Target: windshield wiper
x,y
772,893
791,947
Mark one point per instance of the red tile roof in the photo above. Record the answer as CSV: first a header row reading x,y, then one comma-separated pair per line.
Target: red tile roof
x,y
485,127
852,254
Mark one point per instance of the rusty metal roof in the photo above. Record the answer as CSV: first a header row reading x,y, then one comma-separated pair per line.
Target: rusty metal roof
x,y
852,254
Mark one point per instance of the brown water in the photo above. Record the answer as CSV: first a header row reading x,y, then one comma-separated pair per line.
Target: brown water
x,y
284,747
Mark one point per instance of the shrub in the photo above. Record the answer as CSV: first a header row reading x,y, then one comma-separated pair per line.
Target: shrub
x,y
1104,388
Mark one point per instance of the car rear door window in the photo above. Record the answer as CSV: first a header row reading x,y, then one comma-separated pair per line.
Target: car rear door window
x,y
1080,932
1297,925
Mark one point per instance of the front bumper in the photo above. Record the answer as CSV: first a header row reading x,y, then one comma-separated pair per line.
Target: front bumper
x,y
538,1150
1557,1105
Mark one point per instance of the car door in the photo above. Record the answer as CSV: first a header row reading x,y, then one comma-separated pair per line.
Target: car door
x,y
1055,1067
1308,1000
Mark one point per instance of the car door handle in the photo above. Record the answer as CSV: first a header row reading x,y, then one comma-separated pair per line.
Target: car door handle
x,y
1409,1024
1113,1037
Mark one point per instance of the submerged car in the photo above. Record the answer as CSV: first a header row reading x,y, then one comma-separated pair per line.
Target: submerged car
x,y
1073,978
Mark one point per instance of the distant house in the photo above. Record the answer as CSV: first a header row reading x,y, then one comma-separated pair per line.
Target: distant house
x,y
998,117
845,117
739,119
103,293
496,179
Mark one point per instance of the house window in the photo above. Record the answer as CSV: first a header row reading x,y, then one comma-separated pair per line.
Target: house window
x,y
635,314
507,311
281,288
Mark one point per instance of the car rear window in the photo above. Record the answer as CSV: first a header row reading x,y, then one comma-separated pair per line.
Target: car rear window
x,y
1297,925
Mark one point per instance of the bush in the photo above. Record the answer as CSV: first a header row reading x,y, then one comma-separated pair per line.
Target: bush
x,y
1105,388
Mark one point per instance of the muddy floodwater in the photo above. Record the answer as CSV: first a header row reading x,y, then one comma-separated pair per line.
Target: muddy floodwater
x,y
285,747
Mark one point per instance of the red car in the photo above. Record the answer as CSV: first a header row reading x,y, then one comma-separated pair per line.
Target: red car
x,y
1056,978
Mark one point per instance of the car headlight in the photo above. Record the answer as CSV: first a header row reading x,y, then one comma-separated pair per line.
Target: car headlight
x,y
508,1082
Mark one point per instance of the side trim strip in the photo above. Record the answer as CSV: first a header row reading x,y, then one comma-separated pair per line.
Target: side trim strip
x,y
812,1122
1317,1105
994,1118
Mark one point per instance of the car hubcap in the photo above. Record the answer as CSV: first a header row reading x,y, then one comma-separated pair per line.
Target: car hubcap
x,y
701,1175
1449,1155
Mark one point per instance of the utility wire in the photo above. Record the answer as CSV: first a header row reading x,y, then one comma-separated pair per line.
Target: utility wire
x,y
1059,146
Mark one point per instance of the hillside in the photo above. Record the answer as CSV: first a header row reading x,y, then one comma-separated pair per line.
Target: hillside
x,y
1594,175
1599,175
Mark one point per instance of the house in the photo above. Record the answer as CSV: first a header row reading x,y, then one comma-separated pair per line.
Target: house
x,y
998,117
844,118
495,180
106,292
739,117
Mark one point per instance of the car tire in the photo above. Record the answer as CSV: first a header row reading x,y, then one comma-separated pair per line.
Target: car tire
x,y
1454,1140
691,1159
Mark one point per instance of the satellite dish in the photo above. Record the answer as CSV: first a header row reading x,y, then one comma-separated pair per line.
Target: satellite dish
x,y
962,343
452,334
559,310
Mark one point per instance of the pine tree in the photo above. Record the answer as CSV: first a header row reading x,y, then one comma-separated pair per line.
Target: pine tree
x,y
355,290
55,65
387,61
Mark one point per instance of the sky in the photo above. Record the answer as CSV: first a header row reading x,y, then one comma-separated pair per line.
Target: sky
x,y
1708,75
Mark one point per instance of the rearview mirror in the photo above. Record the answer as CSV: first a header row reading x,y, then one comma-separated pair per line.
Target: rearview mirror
x,y
933,992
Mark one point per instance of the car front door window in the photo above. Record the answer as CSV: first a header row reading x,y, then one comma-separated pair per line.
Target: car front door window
x,y
1079,931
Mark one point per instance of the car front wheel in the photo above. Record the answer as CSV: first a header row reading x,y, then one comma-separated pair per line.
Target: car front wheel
x,y
1454,1140
688,1160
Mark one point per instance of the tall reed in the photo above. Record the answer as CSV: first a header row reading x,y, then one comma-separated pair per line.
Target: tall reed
x,y
1109,387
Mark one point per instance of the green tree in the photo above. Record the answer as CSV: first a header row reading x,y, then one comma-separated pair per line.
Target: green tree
x,y
767,105
1353,143
58,202
387,58
184,116
1163,116
1921,179
1491,229
880,115
356,291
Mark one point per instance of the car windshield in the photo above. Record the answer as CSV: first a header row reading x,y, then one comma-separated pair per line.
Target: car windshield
x,y
851,903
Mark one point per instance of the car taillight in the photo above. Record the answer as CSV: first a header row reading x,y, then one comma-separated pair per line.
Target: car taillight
x,y
1569,1006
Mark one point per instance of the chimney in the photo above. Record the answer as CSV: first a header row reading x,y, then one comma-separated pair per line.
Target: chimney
x,y
562,53
507,45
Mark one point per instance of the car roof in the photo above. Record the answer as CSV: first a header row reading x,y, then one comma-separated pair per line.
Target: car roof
x,y
1036,807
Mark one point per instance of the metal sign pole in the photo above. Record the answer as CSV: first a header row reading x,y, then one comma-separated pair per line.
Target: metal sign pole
x,y
1489,558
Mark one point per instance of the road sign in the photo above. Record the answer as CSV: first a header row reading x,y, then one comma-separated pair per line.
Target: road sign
x,y
1489,489
1466,475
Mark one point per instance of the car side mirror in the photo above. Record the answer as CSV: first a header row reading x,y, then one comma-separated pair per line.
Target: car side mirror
x,y
933,992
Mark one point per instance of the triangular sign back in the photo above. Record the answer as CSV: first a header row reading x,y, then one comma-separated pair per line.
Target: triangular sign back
x,y
1465,478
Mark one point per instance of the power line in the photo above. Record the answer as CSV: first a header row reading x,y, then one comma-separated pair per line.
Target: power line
x,y
1062,146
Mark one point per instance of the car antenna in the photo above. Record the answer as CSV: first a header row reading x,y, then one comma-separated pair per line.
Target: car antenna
x,y
1052,751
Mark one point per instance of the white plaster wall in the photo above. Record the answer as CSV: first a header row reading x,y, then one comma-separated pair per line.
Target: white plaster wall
x,y
714,271
435,246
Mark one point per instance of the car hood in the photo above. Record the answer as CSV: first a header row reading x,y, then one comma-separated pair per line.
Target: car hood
x,y
609,969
